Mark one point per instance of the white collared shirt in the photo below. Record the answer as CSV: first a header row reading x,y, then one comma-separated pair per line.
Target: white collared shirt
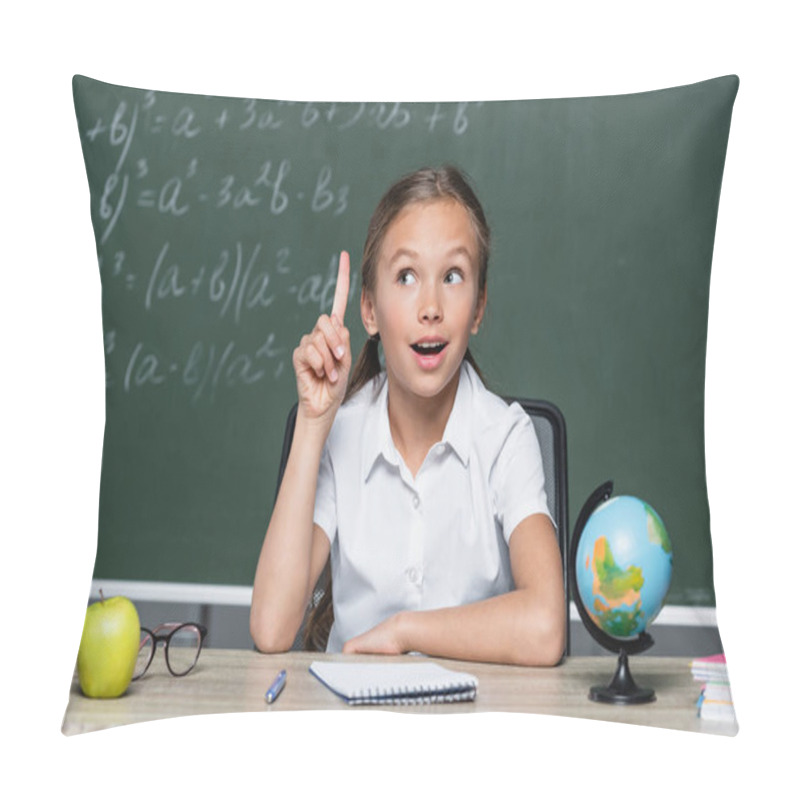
x,y
436,540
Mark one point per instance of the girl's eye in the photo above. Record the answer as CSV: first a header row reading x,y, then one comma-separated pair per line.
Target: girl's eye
x,y
405,277
454,276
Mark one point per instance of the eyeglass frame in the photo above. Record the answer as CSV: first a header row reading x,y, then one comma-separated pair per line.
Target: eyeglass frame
x,y
165,638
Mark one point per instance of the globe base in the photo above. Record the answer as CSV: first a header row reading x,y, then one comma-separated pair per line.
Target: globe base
x,y
623,689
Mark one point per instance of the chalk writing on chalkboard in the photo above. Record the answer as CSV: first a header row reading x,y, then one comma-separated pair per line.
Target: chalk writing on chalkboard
x,y
171,174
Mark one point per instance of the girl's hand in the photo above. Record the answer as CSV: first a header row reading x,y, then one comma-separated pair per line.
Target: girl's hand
x,y
384,639
322,359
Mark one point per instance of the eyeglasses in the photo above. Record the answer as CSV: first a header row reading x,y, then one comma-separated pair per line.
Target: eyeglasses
x,y
182,646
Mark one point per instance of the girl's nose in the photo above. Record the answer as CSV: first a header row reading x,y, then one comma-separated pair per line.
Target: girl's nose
x,y
430,306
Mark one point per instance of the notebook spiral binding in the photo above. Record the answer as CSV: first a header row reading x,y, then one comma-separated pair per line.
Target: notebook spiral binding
x,y
414,695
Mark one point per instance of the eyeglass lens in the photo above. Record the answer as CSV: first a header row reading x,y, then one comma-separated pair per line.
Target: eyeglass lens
x,y
183,649
145,656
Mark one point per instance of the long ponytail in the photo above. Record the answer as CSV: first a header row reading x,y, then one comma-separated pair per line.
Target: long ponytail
x,y
367,367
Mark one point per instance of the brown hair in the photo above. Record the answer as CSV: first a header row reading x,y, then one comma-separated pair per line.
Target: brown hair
x,y
423,185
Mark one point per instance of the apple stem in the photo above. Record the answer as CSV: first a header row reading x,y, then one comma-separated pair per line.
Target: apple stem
x,y
102,599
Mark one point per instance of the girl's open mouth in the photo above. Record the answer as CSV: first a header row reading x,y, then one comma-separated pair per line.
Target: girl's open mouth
x,y
429,354
428,348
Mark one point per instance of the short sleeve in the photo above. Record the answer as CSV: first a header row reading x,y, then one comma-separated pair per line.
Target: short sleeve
x,y
518,476
325,500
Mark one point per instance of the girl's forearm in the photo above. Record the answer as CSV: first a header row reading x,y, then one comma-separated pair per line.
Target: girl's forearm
x,y
283,580
512,628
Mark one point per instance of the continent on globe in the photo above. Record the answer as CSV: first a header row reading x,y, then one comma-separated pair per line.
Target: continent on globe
x,y
656,531
617,592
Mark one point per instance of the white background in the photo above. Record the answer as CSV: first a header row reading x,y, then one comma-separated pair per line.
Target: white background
x,y
53,382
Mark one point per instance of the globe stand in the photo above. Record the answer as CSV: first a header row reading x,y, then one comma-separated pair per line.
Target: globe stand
x,y
623,689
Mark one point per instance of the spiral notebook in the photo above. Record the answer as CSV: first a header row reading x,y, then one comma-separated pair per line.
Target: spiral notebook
x,y
395,684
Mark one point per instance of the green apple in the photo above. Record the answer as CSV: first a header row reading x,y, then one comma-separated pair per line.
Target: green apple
x,y
109,647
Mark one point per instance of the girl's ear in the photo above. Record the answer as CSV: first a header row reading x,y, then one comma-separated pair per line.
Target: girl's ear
x,y
368,312
479,310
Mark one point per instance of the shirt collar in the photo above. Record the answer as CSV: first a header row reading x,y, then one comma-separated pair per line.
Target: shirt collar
x,y
378,443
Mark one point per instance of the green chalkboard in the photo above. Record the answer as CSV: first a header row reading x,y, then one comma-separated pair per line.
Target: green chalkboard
x,y
218,222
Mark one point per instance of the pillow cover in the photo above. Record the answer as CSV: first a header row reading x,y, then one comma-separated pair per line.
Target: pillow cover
x,y
218,223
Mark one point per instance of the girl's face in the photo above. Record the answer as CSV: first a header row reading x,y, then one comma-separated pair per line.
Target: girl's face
x,y
426,301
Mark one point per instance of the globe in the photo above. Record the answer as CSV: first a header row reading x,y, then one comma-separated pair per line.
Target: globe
x,y
623,566
620,569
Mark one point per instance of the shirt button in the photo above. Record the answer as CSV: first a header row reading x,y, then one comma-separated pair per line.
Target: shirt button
x,y
413,575
415,501
439,449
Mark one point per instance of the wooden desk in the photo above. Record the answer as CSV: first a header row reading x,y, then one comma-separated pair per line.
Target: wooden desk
x,y
227,681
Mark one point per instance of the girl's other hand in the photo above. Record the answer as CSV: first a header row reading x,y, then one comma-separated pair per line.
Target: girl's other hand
x,y
384,639
322,359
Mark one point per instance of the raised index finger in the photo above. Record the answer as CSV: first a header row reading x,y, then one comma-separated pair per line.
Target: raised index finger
x,y
342,287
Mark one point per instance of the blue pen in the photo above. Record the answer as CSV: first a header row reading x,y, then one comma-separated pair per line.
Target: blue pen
x,y
277,687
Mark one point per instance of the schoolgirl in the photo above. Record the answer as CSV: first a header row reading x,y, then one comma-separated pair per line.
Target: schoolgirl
x,y
423,489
